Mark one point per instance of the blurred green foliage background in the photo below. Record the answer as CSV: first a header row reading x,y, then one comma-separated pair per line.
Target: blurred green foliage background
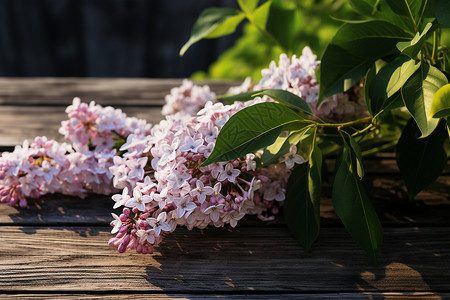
x,y
310,23
315,25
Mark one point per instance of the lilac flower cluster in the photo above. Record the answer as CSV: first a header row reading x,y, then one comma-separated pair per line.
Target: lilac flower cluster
x,y
47,166
297,75
164,184
187,99
159,169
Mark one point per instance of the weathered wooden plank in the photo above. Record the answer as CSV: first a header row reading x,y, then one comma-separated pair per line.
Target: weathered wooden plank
x,y
223,260
18,123
157,296
105,91
431,208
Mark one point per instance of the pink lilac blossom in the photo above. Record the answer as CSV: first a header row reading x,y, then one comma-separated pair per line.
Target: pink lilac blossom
x,y
297,75
187,99
178,191
47,166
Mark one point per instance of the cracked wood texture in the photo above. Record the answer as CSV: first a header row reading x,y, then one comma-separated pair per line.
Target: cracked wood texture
x,y
57,248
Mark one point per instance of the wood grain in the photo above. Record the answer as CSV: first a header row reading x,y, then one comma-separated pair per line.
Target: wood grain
x,y
162,296
18,123
223,260
116,92
57,248
431,208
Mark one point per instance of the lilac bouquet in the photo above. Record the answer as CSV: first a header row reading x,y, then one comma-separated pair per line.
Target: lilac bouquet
x,y
155,173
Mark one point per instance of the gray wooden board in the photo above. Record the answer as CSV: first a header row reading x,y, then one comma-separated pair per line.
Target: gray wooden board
x,y
223,260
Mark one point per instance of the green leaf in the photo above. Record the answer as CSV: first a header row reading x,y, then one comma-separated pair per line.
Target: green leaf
x,y
365,7
388,81
280,147
315,177
213,22
339,71
302,204
353,50
370,40
282,24
386,13
284,97
299,210
370,75
353,207
409,8
418,93
240,97
251,129
261,14
421,160
448,125
413,47
440,107
288,99
442,12
248,6
356,153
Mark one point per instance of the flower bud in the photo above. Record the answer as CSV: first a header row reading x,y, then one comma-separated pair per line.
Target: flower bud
x,y
23,202
126,240
122,248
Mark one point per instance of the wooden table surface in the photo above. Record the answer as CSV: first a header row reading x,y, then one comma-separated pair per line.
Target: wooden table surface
x,y
57,248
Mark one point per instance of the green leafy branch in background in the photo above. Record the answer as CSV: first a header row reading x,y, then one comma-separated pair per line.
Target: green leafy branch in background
x,y
396,50
272,28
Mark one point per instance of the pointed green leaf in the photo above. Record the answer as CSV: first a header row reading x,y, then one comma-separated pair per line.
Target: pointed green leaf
x,y
284,97
418,93
388,81
339,71
315,178
288,99
240,97
370,75
448,126
248,5
440,107
370,40
442,12
353,50
251,129
356,153
261,14
408,8
386,13
280,147
413,47
421,160
302,204
282,24
213,22
353,207
365,7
